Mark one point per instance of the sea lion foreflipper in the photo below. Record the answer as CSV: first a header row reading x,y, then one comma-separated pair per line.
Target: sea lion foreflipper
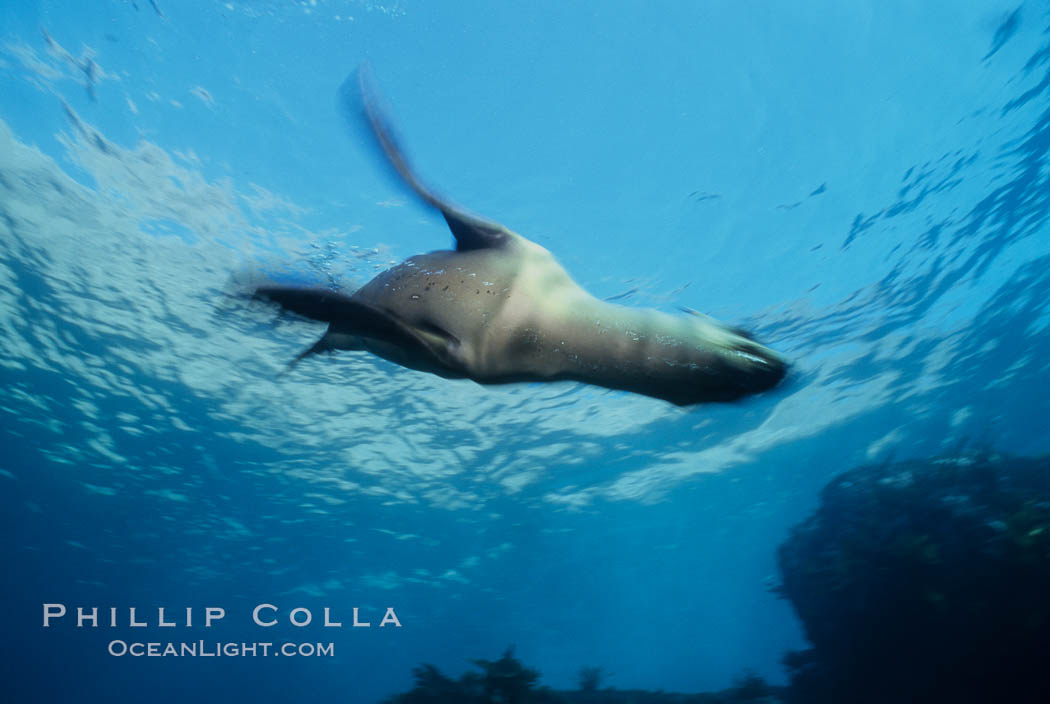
x,y
470,231
352,319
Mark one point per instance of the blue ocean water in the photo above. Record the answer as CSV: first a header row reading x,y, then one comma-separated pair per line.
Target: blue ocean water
x,y
863,185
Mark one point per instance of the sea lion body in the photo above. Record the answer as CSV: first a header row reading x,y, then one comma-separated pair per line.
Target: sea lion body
x,y
500,309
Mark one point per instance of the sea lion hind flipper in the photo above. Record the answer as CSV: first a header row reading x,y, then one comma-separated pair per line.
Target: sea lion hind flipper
x,y
315,303
470,231
426,346
431,347
322,345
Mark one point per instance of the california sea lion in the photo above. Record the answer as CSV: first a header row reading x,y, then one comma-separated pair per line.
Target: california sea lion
x,y
499,308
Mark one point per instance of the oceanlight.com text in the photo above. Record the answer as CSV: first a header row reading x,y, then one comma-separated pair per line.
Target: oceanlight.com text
x,y
212,649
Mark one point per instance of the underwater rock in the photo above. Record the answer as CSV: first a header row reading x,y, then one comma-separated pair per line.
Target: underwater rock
x,y
591,678
924,581
507,681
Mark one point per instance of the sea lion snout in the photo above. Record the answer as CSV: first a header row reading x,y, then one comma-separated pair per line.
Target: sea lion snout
x,y
732,373
763,367
735,364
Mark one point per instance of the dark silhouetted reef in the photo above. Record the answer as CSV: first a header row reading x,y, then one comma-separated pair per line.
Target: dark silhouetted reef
x,y
925,581
916,582
508,681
